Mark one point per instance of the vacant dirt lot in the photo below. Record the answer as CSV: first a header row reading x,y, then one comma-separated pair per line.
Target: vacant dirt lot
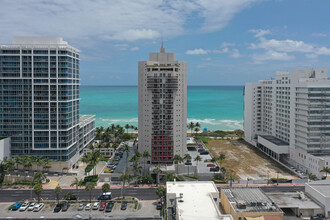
x,y
246,161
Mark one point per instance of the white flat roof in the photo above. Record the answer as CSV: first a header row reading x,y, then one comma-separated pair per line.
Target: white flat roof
x,y
197,200
322,186
39,40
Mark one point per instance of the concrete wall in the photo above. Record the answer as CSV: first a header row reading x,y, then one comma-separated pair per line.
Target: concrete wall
x,y
5,148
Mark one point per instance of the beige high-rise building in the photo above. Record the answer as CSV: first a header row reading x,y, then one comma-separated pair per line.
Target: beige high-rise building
x,y
162,106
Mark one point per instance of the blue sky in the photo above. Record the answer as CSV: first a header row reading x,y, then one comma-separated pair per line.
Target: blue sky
x,y
225,42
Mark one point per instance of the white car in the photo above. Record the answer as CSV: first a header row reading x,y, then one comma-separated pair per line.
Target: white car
x,y
88,206
96,206
31,206
38,207
24,206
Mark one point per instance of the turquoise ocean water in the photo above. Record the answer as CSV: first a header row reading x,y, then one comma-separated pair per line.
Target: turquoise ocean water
x,y
215,107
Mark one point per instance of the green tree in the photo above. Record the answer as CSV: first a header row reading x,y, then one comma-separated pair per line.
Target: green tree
x,y
197,159
231,176
187,157
326,170
126,149
76,182
146,155
125,178
37,189
311,177
127,126
38,177
157,170
161,191
197,124
90,186
196,130
106,187
57,192
191,126
18,161
177,158
169,176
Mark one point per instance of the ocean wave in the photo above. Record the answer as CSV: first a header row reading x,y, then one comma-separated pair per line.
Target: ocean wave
x,y
119,120
233,124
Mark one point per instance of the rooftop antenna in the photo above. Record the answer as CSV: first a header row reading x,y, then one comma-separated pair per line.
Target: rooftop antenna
x,y
162,49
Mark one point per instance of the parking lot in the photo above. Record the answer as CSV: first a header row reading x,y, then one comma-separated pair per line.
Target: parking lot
x,y
145,209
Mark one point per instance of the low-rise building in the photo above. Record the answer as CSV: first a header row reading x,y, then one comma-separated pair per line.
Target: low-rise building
x,y
319,191
193,200
4,148
249,203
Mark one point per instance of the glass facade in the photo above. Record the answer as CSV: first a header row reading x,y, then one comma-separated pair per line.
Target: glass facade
x,y
39,100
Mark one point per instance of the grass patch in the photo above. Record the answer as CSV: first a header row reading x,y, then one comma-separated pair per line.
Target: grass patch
x,y
104,159
190,176
205,140
219,181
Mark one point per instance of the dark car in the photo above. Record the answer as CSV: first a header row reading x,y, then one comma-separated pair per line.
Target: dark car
x,y
214,169
188,163
65,206
71,197
58,207
159,206
109,207
204,152
123,205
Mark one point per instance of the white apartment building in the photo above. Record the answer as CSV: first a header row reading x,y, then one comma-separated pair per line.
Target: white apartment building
x,y
162,106
288,118
39,100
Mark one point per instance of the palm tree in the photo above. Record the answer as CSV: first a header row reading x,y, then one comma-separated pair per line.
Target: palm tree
x,y
161,192
157,170
38,177
76,183
169,176
197,159
177,158
231,176
57,192
125,177
46,162
278,172
191,126
126,149
89,188
37,189
196,130
247,182
18,161
127,126
106,187
145,157
187,157
326,170
137,171
197,125
311,177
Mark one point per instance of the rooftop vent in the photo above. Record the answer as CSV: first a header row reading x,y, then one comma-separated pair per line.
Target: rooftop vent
x,y
241,204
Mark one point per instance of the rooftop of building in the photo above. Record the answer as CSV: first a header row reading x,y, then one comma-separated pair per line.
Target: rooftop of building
x,y
85,119
293,200
322,186
274,140
196,201
248,199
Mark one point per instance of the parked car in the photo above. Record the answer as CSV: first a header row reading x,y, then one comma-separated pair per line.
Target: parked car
x,y
159,206
200,147
214,169
65,206
71,197
204,152
81,207
38,207
211,165
16,206
109,206
201,150
31,206
96,206
188,163
88,206
104,196
123,205
24,206
102,206
58,207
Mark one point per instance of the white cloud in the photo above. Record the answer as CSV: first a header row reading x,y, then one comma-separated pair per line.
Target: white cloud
x,y
320,35
85,23
311,55
199,51
260,32
135,48
235,53
134,34
227,44
323,51
271,55
283,45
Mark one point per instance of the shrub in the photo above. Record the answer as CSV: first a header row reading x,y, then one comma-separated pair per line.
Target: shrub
x,y
93,179
10,207
104,159
191,176
136,205
47,180
180,178
219,181
89,167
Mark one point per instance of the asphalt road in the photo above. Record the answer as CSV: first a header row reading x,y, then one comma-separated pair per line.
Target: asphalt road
x,y
140,193
18,195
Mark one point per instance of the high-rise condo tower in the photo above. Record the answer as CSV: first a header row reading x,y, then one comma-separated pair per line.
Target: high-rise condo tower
x,y
39,100
162,106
